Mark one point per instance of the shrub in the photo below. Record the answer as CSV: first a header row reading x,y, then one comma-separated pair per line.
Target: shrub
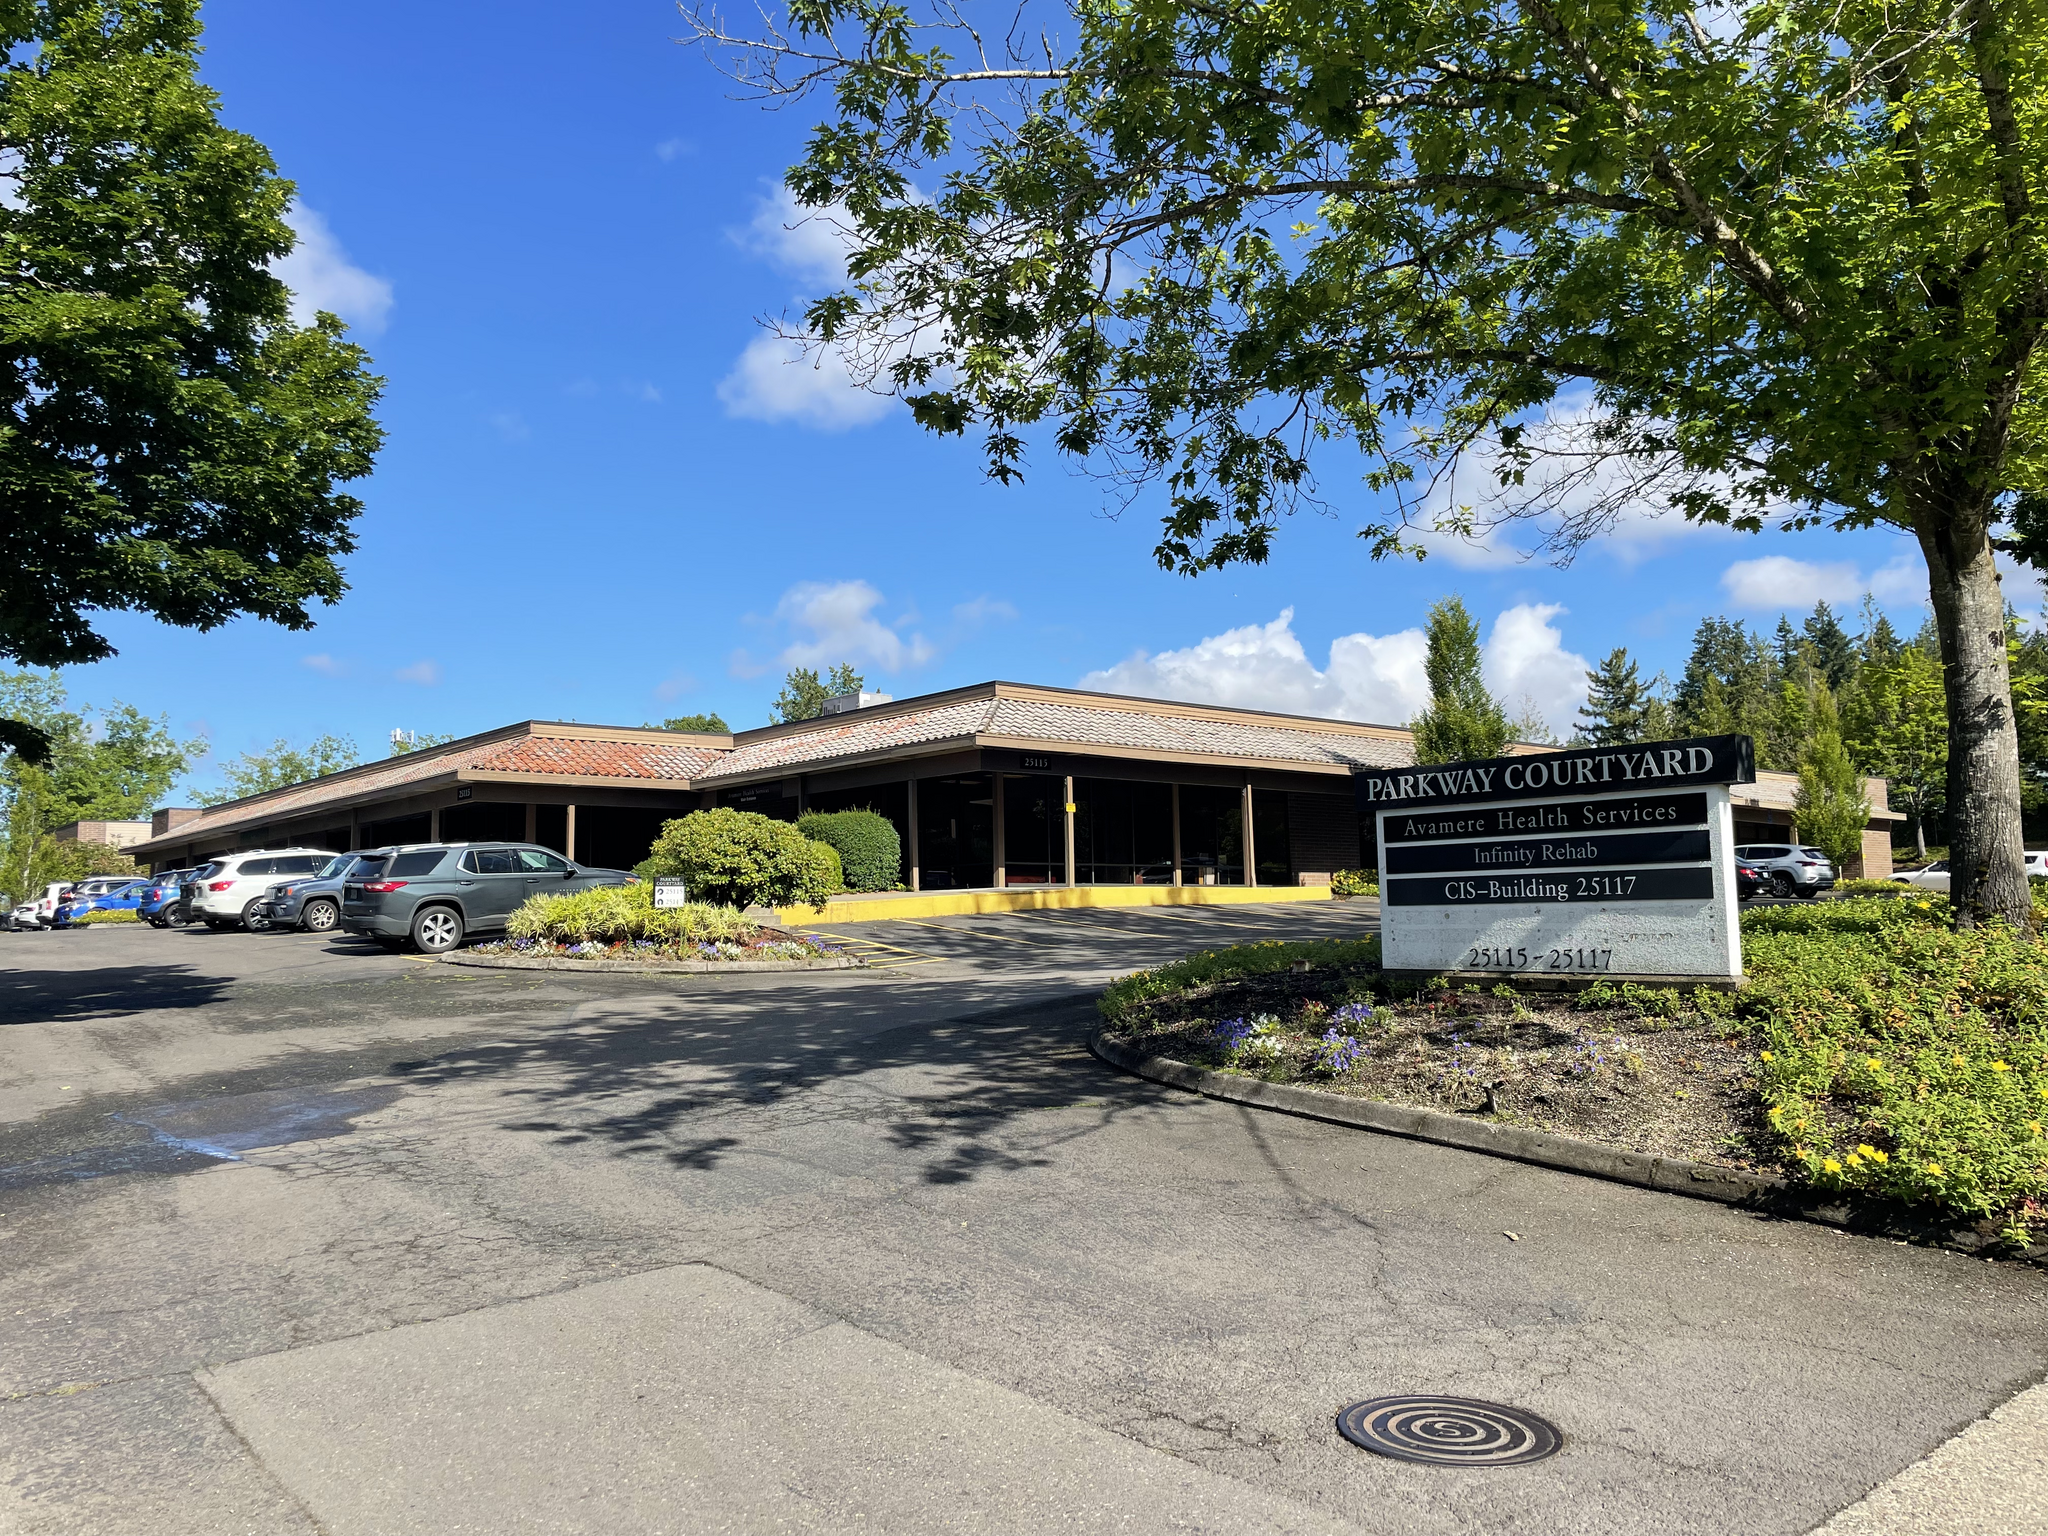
x,y
740,858
619,914
1355,882
111,915
1860,887
1901,1057
870,852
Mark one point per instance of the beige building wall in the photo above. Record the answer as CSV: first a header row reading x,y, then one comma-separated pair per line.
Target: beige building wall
x,y
115,834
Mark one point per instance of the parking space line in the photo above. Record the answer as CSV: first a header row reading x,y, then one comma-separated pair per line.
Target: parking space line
x,y
973,933
866,950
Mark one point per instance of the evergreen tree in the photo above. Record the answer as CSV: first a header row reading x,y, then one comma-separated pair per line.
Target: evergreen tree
x,y
1791,654
1730,683
1879,643
1829,804
1829,647
1617,703
1464,721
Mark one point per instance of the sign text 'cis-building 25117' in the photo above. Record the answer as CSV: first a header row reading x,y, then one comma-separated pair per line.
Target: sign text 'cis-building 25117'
x,y
1611,859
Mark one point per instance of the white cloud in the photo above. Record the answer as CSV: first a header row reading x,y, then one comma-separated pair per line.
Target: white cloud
x,y
324,664
775,381
321,276
1368,677
425,673
673,687
836,622
1263,666
671,149
809,244
1781,582
983,610
1903,579
1526,663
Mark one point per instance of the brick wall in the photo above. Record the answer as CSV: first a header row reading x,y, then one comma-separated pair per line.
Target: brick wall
x,y
1322,834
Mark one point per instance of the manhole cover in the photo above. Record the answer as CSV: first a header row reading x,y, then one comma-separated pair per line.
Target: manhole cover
x,y
1449,1431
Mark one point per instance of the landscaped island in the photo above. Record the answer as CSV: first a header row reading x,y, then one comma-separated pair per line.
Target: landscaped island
x,y
1876,1056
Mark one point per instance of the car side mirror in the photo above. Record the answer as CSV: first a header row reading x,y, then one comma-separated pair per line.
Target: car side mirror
x,y
568,874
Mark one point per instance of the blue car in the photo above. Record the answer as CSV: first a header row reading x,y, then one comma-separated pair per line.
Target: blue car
x,y
160,908
120,898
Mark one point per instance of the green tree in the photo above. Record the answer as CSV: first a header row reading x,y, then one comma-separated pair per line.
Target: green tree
x,y
405,742
173,441
803,696
280,765
1829,804
1829,648
1463,721
1730,684
1617,703
1896,727
700,725
1879,642
1791,269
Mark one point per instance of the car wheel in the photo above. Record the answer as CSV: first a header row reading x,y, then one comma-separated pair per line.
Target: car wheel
x,y
255,917
436,930
320,916
1781,885
215,923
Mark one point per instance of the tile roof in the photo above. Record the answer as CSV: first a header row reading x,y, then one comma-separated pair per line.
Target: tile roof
x,y
1060,721
588,757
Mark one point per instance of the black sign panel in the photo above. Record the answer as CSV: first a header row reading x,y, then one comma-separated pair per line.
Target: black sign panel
x,y
1564,851
1651,765
1623,813
1594,889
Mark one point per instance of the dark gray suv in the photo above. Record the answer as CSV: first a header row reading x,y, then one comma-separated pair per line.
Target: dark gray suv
x,y
435,896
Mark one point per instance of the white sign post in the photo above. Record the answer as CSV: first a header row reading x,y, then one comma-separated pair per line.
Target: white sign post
x,y
1615,861
669,891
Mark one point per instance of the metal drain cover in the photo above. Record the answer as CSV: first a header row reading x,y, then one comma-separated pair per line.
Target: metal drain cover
x,y
1449,1431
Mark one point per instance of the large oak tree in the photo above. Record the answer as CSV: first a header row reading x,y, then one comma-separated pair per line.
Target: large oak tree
x,y
1780,262
170,441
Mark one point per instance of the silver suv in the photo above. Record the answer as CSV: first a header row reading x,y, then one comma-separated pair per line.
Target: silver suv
x,y
1791,869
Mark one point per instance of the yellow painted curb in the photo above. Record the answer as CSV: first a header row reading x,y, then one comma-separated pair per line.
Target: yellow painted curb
x,y
882,909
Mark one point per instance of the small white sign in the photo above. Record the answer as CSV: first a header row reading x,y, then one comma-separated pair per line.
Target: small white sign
x,y
669,891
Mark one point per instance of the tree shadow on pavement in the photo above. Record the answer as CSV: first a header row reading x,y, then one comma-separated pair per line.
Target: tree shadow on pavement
x,y
694,1079
39,996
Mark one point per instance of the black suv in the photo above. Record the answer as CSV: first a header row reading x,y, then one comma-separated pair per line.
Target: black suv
x,y
436,895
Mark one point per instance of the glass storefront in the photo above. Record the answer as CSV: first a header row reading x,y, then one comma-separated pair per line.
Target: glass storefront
x,y
1211,835
1123,832
956,832
1034,830
1269,838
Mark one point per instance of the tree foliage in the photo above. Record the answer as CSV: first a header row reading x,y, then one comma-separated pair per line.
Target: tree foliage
x,y
706,725
803,695
1463,721
743,859
1829,804
870,851
1791,267
1617,703
280,765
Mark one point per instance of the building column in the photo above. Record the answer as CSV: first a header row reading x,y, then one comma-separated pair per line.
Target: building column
x,y
1251,854
569,835
1176,833
916,868
1001,851
532,823
434,824
1070,828
803,793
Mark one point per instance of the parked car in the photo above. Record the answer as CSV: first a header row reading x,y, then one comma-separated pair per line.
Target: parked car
x,y
1933,877
1749,880
161,906
433,896
1791,869
313,902
232,891
41,911
125,897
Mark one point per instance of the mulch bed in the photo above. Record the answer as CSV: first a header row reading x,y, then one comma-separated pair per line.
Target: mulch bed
x,y
1636,1069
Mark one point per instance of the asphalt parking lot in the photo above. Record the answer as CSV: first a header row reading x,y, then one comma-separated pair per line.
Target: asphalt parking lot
x,y
301,1236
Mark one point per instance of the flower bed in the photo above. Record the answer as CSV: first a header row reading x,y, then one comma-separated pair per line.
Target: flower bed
x,y
760,944
1877,1056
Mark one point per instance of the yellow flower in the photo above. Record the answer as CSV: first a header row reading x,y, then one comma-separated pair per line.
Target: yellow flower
x,y
1876,1065
1999,1066
1798,1125
1866,1150
1934,1168
1957,1060
1829,1165
2034,1126
1855,1161
1763,1055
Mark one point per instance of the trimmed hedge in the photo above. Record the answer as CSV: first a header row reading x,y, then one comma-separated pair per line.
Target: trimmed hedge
x,y
870,852
1355,882
740,859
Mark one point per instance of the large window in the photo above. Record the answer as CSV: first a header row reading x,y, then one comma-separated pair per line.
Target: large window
x,y
1270,842
956,832
1211,835
484,821
1034,830
1123,832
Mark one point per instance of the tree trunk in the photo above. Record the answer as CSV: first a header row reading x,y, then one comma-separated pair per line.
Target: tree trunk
x,y
1986,860
1920,835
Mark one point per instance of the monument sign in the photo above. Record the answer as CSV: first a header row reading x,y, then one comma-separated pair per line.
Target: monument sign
x,y
1616,860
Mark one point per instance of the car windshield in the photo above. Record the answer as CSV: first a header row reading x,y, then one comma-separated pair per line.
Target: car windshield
x,y
337,865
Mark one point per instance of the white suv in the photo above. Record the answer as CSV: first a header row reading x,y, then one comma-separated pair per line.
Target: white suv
x,y
231,891
1791,869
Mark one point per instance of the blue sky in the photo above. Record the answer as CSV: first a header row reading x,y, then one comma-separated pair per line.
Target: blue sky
x,y
603,500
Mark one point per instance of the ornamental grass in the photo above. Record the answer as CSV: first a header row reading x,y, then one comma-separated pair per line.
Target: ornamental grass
x,y
622,914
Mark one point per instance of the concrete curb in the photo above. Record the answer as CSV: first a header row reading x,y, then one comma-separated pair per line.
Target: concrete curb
x,y
648,967
1762,1192
1703,1181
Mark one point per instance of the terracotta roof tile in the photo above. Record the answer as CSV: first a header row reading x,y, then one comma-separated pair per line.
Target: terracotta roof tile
x,y
946,722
